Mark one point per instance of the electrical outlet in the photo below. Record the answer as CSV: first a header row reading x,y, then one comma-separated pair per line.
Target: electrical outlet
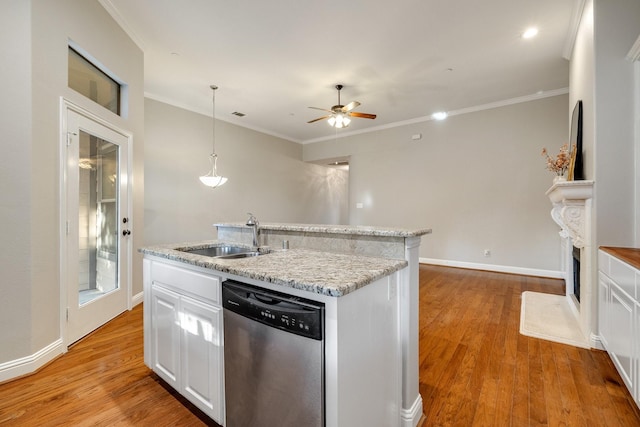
x,y
487,253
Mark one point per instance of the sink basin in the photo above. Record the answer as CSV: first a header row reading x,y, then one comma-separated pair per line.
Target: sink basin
x,y
223,251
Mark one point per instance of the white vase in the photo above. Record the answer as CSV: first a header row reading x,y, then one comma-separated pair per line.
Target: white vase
x,y
559,178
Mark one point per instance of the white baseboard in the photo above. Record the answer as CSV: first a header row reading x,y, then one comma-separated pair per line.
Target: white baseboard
x,y
497,268
137,299
410,417
29,364
596,342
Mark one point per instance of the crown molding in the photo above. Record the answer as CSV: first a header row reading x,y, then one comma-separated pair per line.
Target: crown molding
x,y
572,33
183,106
492,105
115,14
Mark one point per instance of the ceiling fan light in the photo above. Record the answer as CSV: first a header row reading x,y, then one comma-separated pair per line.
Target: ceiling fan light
x,y
331,121
346,120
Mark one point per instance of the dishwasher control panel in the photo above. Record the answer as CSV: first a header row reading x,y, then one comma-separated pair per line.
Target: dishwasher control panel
x,y
289,313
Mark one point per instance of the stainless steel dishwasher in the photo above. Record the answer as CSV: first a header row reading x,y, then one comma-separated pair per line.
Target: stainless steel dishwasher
x,y
273,358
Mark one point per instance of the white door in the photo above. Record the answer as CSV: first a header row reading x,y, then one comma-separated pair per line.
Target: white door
x,y
96,253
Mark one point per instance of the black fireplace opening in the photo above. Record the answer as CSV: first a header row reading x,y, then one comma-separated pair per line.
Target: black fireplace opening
x,y
576,273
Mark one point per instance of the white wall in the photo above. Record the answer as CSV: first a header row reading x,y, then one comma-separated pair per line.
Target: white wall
x,y
604,79
478,180
266,177
617,26
36,35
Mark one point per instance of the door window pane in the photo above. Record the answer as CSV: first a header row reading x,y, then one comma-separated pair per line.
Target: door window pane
x,y
98,217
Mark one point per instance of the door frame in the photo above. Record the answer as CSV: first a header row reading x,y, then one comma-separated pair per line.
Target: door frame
x,y
126,280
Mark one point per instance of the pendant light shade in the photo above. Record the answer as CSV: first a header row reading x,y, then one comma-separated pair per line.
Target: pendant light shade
x,y
212,179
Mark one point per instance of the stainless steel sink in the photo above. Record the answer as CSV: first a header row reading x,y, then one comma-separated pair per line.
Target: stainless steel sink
x,y
227,252
240,255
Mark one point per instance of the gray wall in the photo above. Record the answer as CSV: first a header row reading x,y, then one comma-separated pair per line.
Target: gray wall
x,y
478,180
266,177
35,37
15,181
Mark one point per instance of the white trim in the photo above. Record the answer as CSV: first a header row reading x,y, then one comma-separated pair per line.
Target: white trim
x,y
182,105
496,268
411,417
489,106
117,16
65,107
136,299
596,342
29,364
574,25
636,106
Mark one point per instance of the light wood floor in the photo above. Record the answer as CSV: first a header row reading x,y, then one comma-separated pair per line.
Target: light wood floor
x,y
476,369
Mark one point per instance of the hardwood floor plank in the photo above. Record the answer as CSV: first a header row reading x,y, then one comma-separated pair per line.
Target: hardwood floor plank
x,y
475,369
536,383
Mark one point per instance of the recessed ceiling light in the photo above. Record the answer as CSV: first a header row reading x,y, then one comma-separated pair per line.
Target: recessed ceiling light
x,y
530,33
440,115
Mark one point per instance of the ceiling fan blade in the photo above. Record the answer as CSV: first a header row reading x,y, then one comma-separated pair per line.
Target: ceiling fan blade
x,y
350,106
362,115
321,109
318,119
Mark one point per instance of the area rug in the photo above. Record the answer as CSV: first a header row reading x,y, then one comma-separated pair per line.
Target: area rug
x,y
549,317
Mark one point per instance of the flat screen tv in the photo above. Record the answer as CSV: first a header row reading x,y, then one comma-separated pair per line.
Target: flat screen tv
x,y
576,139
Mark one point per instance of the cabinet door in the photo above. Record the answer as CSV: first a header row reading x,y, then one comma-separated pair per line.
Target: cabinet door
x,y
165,338
201,355
636,342
621,346
603,309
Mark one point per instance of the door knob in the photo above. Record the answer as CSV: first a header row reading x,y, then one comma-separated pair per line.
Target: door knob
x,y
126,232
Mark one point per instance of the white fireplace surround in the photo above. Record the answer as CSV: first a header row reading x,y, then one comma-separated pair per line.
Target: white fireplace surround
x,y
572,211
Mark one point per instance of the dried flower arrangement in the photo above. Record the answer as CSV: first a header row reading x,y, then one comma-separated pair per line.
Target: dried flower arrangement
x,y
561,163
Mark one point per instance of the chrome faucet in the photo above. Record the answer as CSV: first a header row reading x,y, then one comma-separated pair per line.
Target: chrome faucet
x,y
255,225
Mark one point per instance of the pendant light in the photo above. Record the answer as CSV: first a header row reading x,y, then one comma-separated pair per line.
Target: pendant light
x,y
212,179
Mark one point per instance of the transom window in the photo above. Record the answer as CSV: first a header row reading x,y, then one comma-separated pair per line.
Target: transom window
x,y
90,81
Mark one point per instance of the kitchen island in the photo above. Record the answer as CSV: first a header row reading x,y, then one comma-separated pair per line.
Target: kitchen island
x,y
367,337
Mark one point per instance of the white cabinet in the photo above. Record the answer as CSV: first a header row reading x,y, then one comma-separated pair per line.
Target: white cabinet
x,y
165,335
185,334
619,317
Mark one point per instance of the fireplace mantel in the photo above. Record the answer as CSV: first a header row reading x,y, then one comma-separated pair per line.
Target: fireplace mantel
x,y
569,199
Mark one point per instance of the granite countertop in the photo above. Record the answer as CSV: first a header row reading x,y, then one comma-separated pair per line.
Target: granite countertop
x,y
324,273
358,230
629,255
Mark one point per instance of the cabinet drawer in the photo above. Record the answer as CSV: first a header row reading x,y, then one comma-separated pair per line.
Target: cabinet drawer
x,y
198,285
624,276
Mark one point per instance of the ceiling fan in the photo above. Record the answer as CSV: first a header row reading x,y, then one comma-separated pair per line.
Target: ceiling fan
x,y
340,116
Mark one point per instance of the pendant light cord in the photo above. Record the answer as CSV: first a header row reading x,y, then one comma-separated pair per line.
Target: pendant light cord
x,y
213,131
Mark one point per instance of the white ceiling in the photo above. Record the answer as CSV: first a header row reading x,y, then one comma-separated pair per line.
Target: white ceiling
x,y
402,59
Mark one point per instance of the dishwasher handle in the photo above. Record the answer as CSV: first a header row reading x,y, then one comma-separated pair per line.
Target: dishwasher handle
x,y
267,300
